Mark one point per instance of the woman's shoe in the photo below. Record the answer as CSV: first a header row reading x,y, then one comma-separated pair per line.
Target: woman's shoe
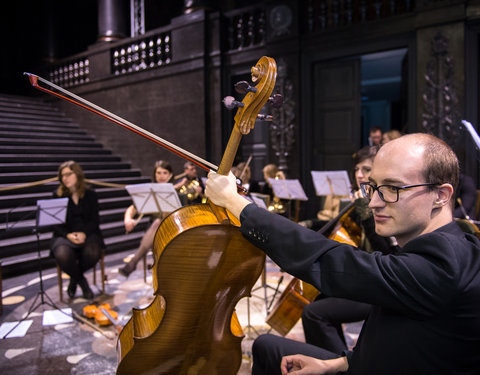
x,y
126,270
87,292
72,288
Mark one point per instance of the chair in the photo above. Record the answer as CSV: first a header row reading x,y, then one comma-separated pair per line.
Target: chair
x,y
102,273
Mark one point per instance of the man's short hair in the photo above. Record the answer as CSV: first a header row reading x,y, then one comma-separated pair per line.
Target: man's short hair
x,y
441,162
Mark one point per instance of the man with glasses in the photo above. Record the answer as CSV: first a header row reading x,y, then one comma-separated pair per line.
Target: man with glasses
x,y
426,314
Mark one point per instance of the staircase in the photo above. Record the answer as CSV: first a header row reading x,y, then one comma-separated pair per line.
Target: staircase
x,y
35,138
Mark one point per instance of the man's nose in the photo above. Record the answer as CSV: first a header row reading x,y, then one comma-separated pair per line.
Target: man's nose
x,y
376,201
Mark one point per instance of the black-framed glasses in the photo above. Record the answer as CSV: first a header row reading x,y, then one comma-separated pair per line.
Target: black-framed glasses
x,y
387,193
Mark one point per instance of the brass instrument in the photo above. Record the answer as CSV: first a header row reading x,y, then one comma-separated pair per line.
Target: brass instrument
x,y
276,205
189,189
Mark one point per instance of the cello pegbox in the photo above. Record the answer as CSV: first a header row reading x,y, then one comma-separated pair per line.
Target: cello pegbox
x,y
231,103
264,117
276,101
243,87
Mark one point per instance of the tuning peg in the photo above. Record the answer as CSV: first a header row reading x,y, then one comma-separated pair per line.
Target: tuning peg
x,y
264,117
243,87
231,103
276,100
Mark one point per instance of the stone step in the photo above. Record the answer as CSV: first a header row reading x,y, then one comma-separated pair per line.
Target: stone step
x,y
57,158
36,135
53,167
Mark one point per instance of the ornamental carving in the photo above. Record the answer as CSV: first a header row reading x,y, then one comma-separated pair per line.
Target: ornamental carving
x,y
440,99
282,128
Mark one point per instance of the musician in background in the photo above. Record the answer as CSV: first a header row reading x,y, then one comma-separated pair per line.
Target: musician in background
x,y
77,244
162,173
390,135
375,136
323,318
244,173
190,188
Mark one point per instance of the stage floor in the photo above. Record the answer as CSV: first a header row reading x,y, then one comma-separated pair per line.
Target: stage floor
x,y
80,348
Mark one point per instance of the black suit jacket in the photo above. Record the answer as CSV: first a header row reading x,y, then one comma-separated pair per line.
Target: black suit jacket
x,y
426,314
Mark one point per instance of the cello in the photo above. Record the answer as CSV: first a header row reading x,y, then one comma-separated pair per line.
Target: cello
x,y
288,310
203,266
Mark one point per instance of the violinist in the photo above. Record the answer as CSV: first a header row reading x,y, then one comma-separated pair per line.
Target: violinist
x,y
77,244
243,172
323,318
190,188
162,173
424,317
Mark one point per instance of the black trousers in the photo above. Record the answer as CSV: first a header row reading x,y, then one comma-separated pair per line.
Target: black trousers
x,y
268,351
322,321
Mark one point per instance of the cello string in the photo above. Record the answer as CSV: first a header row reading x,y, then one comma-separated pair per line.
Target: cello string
x,y
120,121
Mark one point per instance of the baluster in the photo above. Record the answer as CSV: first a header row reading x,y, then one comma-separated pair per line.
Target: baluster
x,y
393,6
378,7
322,17
310,16
75,73
116,62
239,32
348,12
363,10
335,13
86,69
123,61
250,28
70,74
159,51
168,48
261,22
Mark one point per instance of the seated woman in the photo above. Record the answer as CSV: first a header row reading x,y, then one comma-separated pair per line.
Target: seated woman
x,y
162,173
77,244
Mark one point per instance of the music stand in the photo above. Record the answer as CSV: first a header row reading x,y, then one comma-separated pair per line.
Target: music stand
x,y
288,190
49,212
331,182
154,198
261,200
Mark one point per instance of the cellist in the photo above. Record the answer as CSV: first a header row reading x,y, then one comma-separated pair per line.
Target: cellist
x,y
425,317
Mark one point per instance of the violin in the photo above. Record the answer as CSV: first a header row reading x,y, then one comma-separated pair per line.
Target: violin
x,y
103,314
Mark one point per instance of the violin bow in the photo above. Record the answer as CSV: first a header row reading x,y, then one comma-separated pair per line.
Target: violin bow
x,y
81,102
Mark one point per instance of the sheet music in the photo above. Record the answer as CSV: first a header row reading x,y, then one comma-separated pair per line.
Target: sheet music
x,y
152,198
288,189
51,211
261,200
331,182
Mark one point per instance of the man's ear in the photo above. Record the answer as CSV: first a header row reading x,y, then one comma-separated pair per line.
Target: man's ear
x,y
444,194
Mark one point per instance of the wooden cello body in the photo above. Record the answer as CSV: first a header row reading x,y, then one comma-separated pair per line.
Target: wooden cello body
x,y
203,266
288,310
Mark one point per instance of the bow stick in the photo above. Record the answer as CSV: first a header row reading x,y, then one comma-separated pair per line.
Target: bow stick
x,y
119,121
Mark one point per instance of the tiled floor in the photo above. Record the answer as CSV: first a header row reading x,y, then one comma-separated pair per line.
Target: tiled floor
x,y
80,348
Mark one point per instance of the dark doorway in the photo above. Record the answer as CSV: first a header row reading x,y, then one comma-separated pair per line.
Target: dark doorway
x,y
383,88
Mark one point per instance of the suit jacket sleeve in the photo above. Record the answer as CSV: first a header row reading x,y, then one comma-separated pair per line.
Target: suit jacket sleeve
x,y
417,282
